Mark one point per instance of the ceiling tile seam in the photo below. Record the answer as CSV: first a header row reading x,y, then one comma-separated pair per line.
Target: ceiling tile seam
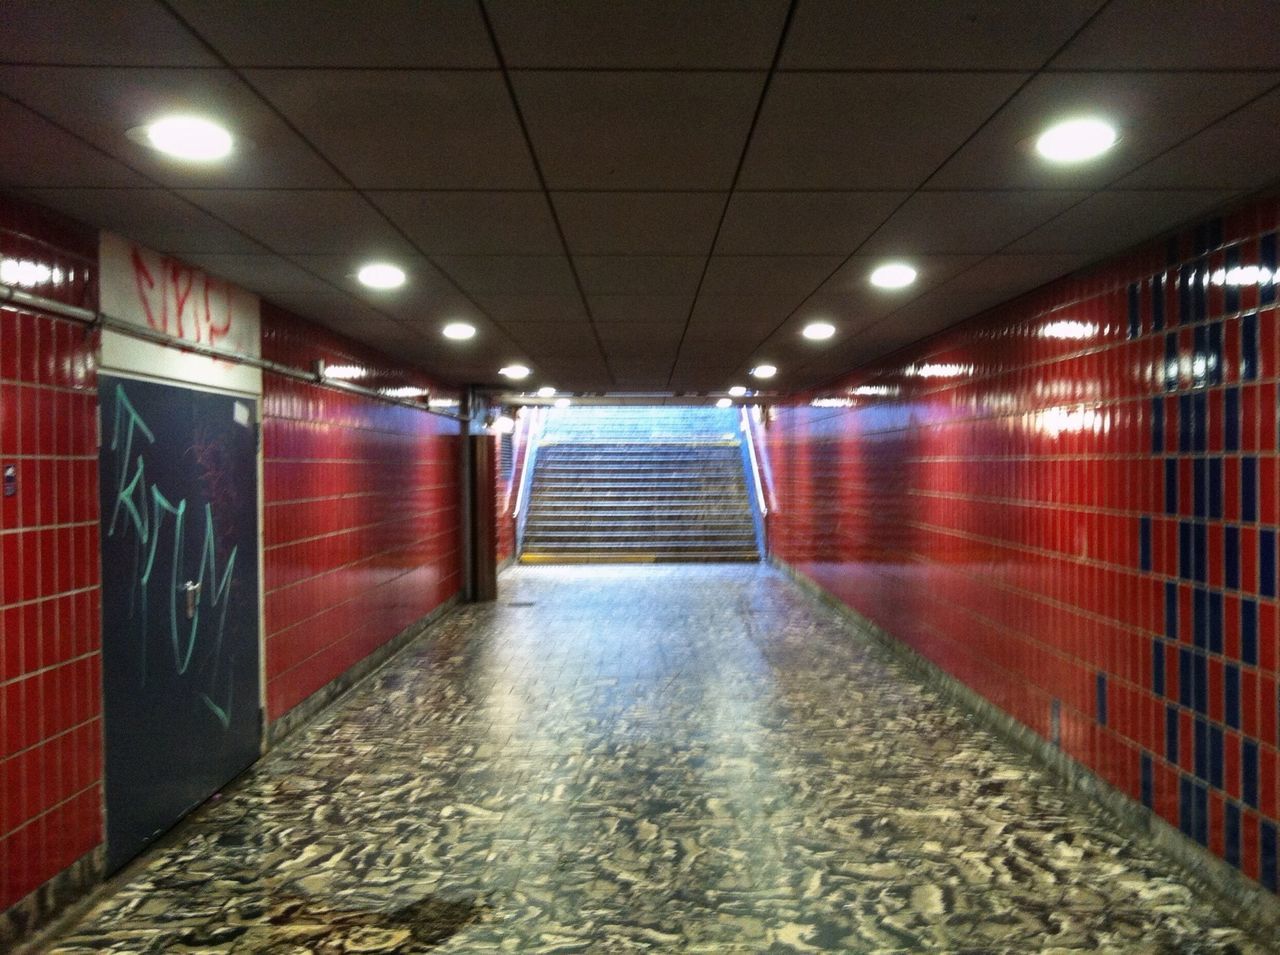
x,y
542,181
414,330
978,129
1102,190
733,182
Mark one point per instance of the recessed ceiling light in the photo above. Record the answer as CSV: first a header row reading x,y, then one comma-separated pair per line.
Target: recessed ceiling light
x,y
563,402
724,403
192,138
514,372
737,391
763,371
893,275
818,331
459,331
1076,140
546,391
381,275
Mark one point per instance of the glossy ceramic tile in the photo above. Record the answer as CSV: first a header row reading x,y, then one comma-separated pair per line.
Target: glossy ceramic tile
x,y
50,751
1071,504
680,758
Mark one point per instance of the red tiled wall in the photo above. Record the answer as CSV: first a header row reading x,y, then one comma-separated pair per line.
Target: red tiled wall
x,y
1087,521
50,705
361,527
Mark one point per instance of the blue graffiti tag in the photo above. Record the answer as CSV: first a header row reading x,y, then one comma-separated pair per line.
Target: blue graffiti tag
x,y
132,497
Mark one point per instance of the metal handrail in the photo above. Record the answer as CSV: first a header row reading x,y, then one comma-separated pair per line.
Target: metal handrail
x,y
755,464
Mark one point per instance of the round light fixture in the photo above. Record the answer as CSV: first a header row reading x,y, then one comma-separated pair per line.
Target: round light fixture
x,y
459,331
546,391
563,402
818,331
381,275
893,275
1076,140
514,372
763,371
191,138
737,391
724,403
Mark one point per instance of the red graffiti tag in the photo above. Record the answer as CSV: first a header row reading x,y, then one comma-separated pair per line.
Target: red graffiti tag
x,y
181,301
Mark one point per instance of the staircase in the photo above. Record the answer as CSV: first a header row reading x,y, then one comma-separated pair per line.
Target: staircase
x,y
639,484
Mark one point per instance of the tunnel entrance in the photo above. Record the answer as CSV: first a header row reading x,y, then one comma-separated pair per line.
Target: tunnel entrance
x,y
610,484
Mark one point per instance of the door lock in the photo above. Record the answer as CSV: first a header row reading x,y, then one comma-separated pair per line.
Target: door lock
x,y
192,590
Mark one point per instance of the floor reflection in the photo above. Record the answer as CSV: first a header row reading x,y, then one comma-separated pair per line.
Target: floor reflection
x,y
673,758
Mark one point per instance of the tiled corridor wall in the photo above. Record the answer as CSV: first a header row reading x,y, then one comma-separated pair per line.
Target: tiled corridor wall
x,y
1071,504
360,528
50,729
360,515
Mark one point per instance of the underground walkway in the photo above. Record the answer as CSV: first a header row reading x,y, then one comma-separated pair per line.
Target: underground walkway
x,y
678,758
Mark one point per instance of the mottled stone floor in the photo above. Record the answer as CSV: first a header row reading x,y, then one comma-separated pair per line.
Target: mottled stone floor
x,y
678,758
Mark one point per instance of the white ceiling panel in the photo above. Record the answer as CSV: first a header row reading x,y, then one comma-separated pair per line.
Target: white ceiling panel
x,y
119,33
656,131
655,34
407,129
338,33
909,34
639,223
966,222
473,223
808,223
639,275
1111,221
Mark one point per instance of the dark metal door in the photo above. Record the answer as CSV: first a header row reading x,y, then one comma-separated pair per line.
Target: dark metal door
x,y
181,708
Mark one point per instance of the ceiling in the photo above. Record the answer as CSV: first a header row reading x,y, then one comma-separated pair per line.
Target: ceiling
x,y
640,196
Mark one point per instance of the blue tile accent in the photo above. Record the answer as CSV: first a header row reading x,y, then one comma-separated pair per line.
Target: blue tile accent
x,y
1231,833
1186,556
1200,682
1231,418
1135,318
1186,678
1267,253
1201,796
1231,556
1231,293
1157,666
1200,356
1147,774
1157,425
1200,426
1248,630
1186,288
1267,853
1186,806
1144,542
1215,353
1200,752
1249,772
1215,621
1171,485
1171,361
1267,563
1200,536
1171,610
1171,733
1231,696
1157,303
1215,488
1215,756
1100,691
1249,489
1200,488
1186,423
1249,346
1200,618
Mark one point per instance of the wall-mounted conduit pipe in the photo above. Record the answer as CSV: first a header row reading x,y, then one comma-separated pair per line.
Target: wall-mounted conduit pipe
x,y
15,296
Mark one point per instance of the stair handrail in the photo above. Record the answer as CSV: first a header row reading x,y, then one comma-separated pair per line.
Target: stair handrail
x,y
755,463
536,427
